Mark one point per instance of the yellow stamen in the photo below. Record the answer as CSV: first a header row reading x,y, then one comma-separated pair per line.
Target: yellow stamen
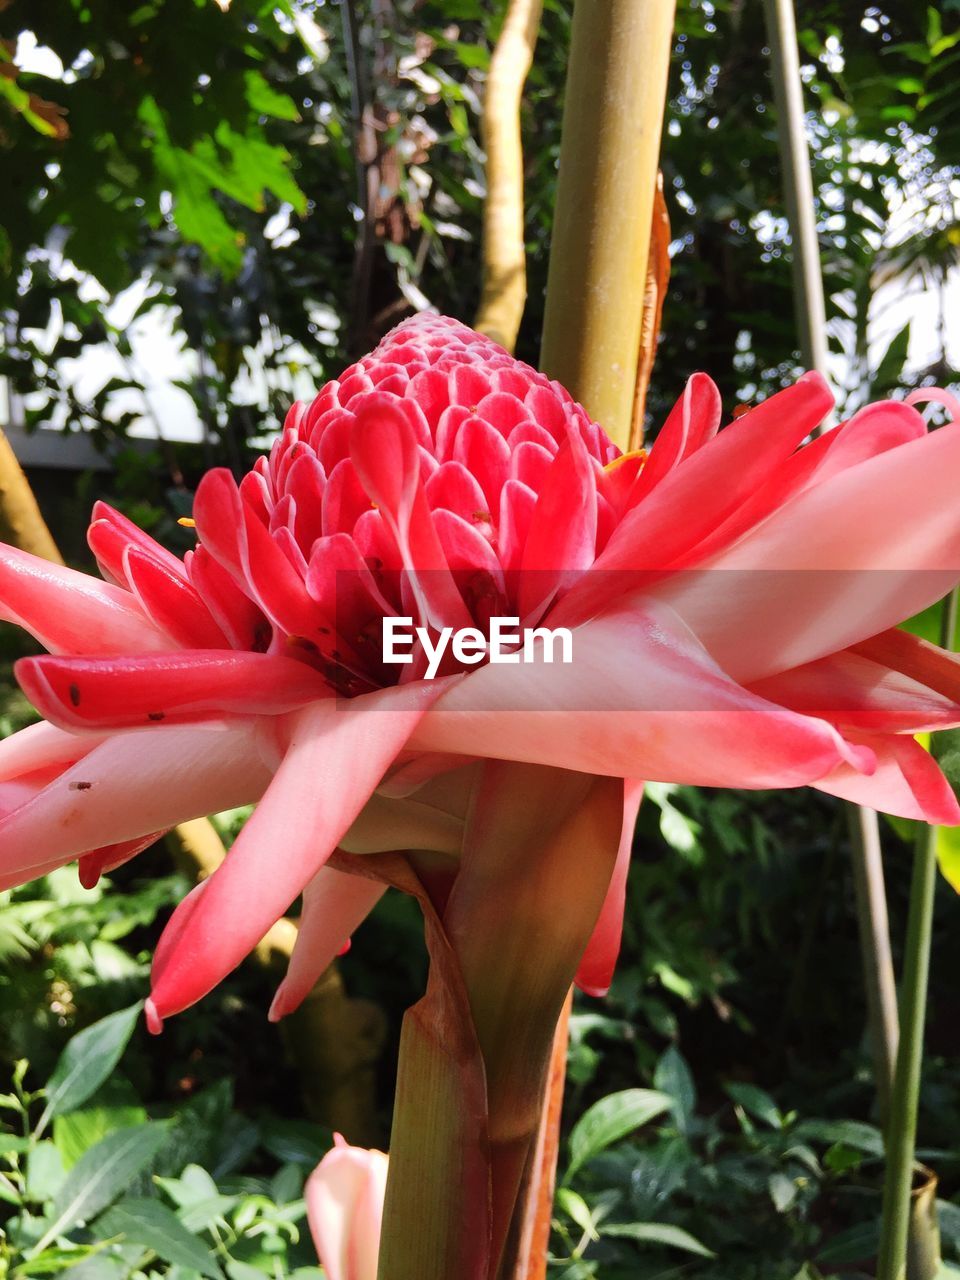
x,y
188,522
639,454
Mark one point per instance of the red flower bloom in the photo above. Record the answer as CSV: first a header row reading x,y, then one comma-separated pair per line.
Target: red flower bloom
x,y
730,599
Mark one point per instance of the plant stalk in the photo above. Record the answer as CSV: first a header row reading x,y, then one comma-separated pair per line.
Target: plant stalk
x,y
809,302
897,1215
902,1128
504,251
867,867
612,121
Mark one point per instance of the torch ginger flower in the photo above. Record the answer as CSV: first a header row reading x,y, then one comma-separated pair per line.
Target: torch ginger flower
x,y
732,599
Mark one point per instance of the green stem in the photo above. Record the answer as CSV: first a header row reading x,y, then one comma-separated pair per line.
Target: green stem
x,y
797,182
612,120
870,891
873,928
902,1127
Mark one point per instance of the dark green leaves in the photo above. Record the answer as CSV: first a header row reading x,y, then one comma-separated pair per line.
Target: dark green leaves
x,y
611,1119
152,1224
86,1063
100,1176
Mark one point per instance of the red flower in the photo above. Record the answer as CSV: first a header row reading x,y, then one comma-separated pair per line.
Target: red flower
x,y
731,600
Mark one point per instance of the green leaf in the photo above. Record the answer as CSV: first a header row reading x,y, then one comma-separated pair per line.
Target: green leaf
x,y
76,1132
86,1063
266,101
856,1244
242,1271
853,1133
611,1119
841,1158
948,855
783,1191
756,1103
152,1224
97,1266
198,1198
577,1209
101,1175
659,1233
890,367
673,1077
45,1171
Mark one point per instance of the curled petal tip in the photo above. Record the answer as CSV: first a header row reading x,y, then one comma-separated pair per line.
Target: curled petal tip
x,y
154,1021
280,1006
88,871
936,395
588,989
862,757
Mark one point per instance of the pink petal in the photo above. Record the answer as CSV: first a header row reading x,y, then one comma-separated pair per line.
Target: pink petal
x,y
600,958
907,782
344,1197
844,560
72,612
387,458
241,620
453,488
334,904
171,602
562,539
41,746
180,687
344,500
692,500
851,690
339,750
517,503
871,431
134,783
641,696
109,536
486,455
693,421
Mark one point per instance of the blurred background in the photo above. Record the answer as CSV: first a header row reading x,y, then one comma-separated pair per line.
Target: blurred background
x,y
210,208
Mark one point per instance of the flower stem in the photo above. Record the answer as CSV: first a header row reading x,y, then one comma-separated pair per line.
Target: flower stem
x,y
612,120
902,1127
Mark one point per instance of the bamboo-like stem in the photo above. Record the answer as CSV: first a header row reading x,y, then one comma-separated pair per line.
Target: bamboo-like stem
x,y
612,121
873,927
504,257
897,1218
870,890
809,302
593,336
20,520
902,1128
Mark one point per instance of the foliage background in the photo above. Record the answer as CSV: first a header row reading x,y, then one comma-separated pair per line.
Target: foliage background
x,y
276,185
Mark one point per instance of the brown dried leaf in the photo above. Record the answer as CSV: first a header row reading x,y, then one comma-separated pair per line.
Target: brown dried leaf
x,y
658,277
